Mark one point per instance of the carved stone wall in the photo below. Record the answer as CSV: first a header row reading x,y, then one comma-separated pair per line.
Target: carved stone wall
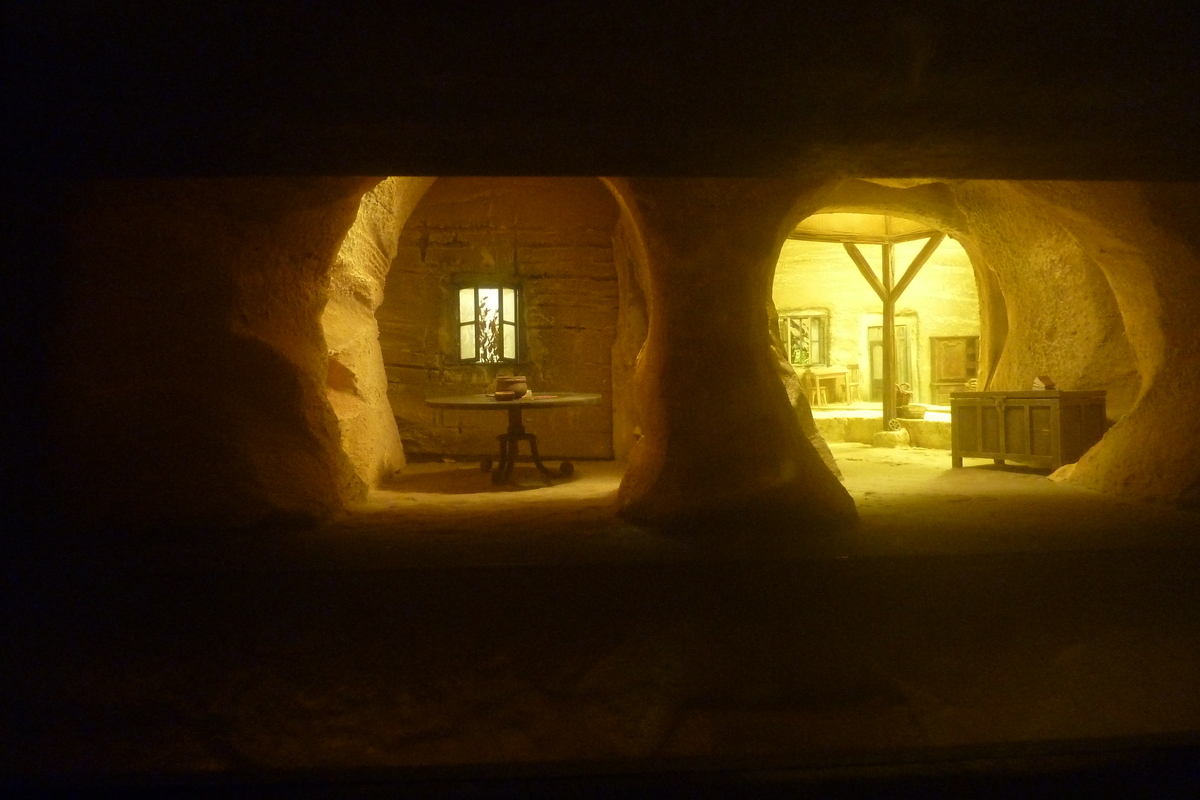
x,y
187,370
1145,239
1062,316
722,447
357,383
553,235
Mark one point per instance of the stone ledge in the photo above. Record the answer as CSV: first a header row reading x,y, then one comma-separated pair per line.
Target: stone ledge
x,y
928,433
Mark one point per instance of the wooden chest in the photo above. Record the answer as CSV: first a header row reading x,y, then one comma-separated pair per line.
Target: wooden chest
x,y
1040,428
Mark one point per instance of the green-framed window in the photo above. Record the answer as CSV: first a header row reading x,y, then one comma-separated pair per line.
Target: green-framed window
x,y
489,323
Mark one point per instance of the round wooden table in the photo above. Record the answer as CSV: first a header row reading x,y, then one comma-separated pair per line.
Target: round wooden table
x,y
516,432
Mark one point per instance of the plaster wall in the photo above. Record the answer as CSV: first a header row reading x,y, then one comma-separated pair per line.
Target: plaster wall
x,y
821,276
555,235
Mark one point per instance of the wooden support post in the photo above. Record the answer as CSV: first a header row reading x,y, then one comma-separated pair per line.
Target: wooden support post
x,y
889,338
889,292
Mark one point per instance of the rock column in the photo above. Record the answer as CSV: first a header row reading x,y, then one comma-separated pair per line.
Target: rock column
x,y
186,375
1146,239
357,382
721,445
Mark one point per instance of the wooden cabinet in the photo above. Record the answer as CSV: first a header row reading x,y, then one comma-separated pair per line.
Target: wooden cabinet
x,y
1040,428
955,361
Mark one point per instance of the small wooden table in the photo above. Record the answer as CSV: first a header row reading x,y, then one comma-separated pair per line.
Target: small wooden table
x,y
516,432
831,382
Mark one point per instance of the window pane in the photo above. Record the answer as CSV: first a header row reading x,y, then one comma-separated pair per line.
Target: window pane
x,y
798,336
466,341
466,306
510,341
489,324
806,338
510,305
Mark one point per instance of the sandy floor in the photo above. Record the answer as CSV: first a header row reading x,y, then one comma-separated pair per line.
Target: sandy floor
x,y
448,622
910,502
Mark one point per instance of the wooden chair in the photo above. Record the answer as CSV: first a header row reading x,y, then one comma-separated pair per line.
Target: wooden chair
x,y
852,383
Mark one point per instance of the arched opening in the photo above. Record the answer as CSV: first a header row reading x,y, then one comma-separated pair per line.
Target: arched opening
x,y
833,275
559,246
551,239
1046,308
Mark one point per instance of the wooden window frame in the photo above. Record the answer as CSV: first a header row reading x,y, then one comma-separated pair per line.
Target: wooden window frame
x,y
505,328
822,318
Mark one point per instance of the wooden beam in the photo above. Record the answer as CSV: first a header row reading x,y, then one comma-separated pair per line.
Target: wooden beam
x,y
889,338
838,238
889,292
858,238
912,237
859,261
917,263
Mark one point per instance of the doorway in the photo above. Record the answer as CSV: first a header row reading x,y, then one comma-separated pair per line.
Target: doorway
x,y
905,330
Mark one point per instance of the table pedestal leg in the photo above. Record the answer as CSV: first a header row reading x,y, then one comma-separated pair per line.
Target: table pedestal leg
x,y
565,468
509,444
509,449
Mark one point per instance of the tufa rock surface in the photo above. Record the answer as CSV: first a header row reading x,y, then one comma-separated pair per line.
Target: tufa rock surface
x,y
357,383
186,381
721,444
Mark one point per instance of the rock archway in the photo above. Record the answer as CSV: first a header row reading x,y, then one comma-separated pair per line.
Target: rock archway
x,y
550,240
358,383
1045,305
1092,283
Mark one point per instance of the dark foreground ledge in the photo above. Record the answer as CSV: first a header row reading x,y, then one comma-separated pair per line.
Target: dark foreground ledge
x,y
1163,766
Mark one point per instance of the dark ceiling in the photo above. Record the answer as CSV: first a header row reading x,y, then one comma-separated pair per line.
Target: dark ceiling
x,y
980,89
